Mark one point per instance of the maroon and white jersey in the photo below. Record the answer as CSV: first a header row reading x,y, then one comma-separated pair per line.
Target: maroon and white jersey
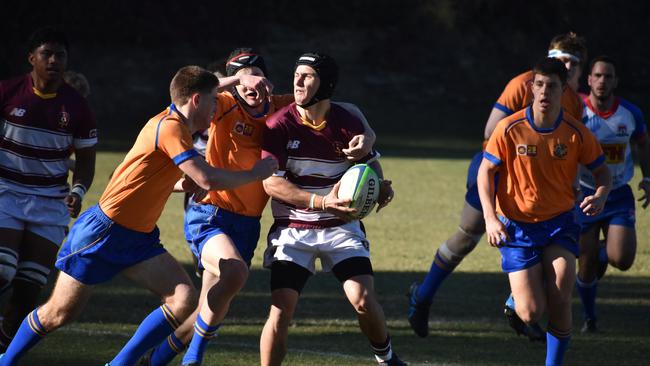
x,y
38,132
311,158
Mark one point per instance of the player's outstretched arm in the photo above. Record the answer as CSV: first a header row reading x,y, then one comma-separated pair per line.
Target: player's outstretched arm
x,y
261,84
82,178
214,179
494,228
593,205
496,115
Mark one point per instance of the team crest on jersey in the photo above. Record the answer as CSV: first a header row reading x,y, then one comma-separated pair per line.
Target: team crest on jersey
x,y
338,148
622,130
527,150
243,128
64,118
560,150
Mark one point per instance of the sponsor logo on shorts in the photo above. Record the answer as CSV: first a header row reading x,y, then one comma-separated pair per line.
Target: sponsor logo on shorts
x,y
527,150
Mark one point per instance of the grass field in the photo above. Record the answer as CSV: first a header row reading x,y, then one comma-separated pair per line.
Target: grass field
x,y
467,324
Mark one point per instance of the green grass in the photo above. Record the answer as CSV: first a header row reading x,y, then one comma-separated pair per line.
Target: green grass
x,y
467,325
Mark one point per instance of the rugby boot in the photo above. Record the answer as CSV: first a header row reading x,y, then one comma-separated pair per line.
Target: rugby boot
x,y
418,314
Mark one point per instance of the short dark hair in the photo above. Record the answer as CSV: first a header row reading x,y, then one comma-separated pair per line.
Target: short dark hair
x,y
47,35
551,66
189,80
602,58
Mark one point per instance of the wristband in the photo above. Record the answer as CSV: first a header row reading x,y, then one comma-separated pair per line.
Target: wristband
x,y
311,201
323,204
79,189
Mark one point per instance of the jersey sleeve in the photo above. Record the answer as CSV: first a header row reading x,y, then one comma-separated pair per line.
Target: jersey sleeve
x,y
274,144
513,97
86,133
591,154
175,141
495,150
640,128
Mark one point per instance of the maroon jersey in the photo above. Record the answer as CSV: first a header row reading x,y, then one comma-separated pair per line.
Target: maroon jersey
x,y
311,158
38,132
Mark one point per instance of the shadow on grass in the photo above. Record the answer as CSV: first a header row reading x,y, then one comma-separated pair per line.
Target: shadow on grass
x,y
467,326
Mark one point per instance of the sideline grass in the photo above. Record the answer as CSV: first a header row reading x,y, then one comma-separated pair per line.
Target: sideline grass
x,y
467,325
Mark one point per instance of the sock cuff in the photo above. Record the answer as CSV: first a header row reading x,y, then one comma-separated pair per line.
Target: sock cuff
x,y
557,333
34,324
583,284
175,344
169,316
381,348
205,330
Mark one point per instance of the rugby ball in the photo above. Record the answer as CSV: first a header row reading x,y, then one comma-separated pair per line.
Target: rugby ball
x,y
360,183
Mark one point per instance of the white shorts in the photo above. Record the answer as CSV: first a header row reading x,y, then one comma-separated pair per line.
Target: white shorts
x,y
303,246
43,216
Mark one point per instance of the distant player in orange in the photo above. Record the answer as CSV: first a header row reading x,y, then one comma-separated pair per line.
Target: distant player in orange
x,y
571,50
224,228
119,235
537,152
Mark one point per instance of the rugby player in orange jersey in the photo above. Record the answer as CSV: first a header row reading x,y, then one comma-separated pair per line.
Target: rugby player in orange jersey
x,y
223,229
568,48
119,235
537,152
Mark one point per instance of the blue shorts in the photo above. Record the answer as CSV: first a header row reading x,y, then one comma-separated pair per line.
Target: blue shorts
x,y
202,222
528,240
619,209
471,196
97,248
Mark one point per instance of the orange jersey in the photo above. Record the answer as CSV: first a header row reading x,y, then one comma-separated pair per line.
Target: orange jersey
x,y
234,143
538,166
142,183
518,95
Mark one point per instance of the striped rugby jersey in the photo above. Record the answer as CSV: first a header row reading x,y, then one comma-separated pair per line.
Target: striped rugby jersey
x,y
311,159
38,132
614,129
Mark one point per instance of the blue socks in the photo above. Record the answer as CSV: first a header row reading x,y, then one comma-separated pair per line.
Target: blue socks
x,y
166,351
202,335
427,289
29,333
556,345
151,332
587,292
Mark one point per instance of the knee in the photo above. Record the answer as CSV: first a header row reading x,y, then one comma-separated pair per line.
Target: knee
x,y
233,275
183,301
8,265
280,318
364,304
529,312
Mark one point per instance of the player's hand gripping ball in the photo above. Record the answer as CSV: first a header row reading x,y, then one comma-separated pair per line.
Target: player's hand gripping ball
x,y
360,184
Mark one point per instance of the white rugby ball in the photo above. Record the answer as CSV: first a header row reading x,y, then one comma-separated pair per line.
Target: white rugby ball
x,y
360,183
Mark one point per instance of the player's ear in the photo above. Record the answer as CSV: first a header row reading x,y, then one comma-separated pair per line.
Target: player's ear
x,y
195,99
31,58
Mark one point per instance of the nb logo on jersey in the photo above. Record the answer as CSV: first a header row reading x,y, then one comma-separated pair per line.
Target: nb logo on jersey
x,y
293,144
18,112
527,150
622,131
243,129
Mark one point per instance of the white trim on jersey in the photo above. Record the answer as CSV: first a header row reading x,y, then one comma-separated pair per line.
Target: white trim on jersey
x,y
32,166
36,137
317,168
84,143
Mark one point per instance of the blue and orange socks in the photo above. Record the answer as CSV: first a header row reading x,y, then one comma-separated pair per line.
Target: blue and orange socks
x,y
202,335
29,333
166,351
587,292
151,332
383,351
557,342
